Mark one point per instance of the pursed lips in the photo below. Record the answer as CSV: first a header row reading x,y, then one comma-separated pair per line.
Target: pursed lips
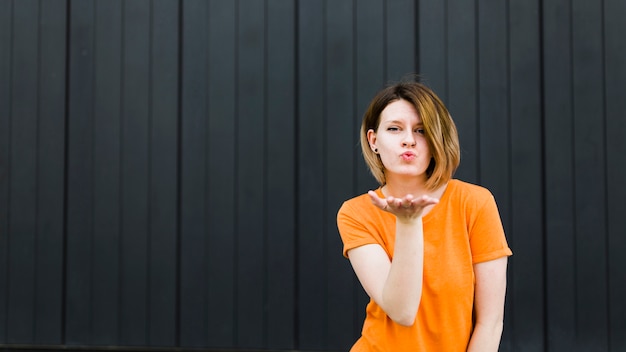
x,y
407,156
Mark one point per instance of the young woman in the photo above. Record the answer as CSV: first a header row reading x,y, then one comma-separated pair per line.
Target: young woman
x,y
429,250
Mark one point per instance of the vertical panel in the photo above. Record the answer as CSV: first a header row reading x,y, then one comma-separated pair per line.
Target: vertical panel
x,y
558,171
433,45
401,39
193,266
222,143
6,50
494,112
312,259
23,173
371,75
106,172
51,168
462,94
341,140
79,176
135,178
615,83
589,149
251,229
526,211
281,175
162,249
494,101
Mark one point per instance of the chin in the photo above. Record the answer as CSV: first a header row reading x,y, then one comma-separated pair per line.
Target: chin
x,y
408,174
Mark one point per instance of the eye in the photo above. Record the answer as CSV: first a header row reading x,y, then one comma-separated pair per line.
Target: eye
x,y
393,128
419,130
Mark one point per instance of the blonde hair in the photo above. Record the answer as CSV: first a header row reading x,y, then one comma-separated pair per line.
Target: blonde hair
x,y
439,130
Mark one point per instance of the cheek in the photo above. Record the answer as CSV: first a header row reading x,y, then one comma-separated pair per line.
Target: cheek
x,y
387,159
423,146
384,158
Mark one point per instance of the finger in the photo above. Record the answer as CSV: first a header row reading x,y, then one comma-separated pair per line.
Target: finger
x,y
394,202
430,200
377,201
425,201
407,201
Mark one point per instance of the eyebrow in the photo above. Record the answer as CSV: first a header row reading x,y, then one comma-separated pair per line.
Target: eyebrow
x,y
398,122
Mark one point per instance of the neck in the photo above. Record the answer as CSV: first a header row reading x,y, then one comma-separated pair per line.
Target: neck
x,y
401,186
415,186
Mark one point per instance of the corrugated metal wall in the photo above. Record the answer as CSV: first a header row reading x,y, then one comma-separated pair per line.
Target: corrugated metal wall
x,y
170,170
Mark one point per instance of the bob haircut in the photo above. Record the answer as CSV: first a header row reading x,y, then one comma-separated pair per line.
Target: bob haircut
x,y
439,130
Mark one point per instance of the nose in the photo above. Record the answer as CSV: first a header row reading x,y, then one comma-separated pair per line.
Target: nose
x,y
409,139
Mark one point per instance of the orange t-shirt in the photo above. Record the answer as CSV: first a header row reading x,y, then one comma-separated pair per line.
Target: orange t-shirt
x,y
463,229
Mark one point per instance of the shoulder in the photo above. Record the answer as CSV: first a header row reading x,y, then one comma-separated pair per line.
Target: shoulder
x,y
469,195
361,212
469,188
357,205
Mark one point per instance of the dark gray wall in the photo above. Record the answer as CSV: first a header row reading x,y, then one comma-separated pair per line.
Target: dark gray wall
x,y
170,170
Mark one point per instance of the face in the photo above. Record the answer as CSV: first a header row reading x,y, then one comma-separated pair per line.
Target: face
x,y
400,141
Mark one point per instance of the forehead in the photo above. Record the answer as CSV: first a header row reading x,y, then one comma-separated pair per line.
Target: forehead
x,y
400,111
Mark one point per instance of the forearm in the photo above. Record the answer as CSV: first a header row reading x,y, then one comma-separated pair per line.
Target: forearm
x,y
489,305
403,288
486,337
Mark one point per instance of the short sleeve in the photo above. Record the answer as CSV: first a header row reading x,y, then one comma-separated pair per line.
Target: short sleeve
x,y
487,238
352,228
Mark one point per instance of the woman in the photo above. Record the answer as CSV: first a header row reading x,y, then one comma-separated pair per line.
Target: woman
x,y
429,250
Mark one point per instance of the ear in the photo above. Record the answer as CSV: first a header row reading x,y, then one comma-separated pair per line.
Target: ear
x,y
371,138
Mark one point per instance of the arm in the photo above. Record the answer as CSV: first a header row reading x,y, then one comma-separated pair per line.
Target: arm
x,y
489,305
395,286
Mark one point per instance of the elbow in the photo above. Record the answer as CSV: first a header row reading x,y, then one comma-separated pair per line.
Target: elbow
x,y
402,310
405,322
404,318
493,328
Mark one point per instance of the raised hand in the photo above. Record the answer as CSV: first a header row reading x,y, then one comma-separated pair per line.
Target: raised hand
x,y
405,208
